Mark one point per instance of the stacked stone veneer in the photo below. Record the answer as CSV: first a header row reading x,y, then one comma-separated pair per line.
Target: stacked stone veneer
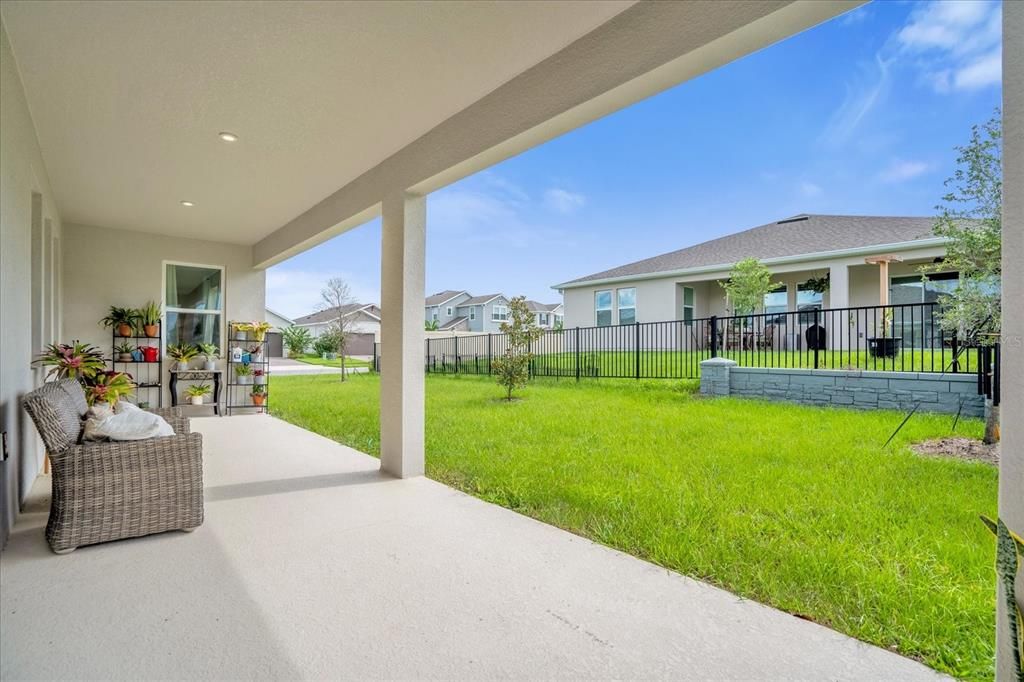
x,y
845,388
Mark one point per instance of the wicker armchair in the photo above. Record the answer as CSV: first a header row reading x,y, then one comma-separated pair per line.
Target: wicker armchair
x,y
114,490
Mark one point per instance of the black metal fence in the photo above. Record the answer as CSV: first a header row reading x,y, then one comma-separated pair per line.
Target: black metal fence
x,y
988,372
900,338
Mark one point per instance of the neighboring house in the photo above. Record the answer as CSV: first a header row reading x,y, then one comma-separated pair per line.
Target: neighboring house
x,y
546,315
684,284
278,322
363,318
459,311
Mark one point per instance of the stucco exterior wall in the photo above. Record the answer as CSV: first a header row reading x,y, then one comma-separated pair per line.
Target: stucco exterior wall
x,y
105,267
30,305
660,299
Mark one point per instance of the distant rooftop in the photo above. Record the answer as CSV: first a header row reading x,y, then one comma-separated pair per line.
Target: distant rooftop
x,y
801,234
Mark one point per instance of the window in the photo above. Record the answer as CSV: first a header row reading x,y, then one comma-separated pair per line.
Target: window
x,y
194,300
603,308
448,311
543,319
688,304
627,305
499,312
433,315
776,303
914,326
472,313
807,301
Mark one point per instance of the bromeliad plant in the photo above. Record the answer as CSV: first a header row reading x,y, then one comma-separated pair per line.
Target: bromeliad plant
x,y
124,351
182,353
79,361
108,387
259,394
123,320
149,318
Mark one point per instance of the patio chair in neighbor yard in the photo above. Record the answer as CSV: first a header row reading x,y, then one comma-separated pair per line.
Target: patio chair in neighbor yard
x,y
767,339
107,491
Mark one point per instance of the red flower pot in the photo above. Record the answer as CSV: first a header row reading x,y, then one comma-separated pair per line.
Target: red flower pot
x,y
150,353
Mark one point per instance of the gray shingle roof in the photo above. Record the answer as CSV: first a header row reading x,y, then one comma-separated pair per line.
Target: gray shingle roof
x,y
332,313
442,297
536,307
453,323
479,300
802,234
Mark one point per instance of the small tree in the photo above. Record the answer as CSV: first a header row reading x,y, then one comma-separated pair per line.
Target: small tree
x,y
296,340
749,281
971,218
336,295
512,367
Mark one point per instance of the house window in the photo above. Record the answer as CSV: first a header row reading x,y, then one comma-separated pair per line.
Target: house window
x,y
776,303
194,303
914,289
603,308
433,315
688,305
472,313
542,319
807,301
627,305
499,312
448,311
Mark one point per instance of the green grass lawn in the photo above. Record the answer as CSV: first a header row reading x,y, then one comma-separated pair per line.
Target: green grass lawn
x,y
796,507
349,362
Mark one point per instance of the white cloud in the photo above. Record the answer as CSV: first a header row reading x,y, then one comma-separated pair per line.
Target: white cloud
x,y
809,189
900,170
861,97
955,44
856,16
294,293
562,200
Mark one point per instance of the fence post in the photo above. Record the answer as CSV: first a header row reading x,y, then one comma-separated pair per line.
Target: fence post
x,y
577,353
429,356
956,349
714,336
817,338
456,337
636,348
488,352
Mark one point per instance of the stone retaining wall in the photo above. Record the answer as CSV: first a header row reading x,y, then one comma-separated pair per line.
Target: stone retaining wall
x,y
846,388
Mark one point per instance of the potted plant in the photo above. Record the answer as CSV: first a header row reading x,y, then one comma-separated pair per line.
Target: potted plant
x,y
259,377
259,330
124,351
108,387
149,318
66,361
196,392
259,395
241,330
211,353
182,353
122,320
883,345
255,352
243,375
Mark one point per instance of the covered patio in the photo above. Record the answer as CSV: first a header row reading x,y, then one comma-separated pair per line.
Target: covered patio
x,y
313,564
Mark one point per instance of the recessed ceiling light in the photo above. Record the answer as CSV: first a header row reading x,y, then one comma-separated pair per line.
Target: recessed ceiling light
x,y
187,203
228,137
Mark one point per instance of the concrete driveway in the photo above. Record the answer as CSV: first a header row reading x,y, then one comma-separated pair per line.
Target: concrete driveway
x,y
287,366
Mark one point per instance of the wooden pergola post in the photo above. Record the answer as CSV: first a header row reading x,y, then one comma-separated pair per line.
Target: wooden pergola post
x,y
883,274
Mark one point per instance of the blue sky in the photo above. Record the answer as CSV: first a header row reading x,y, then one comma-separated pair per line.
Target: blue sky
x,y
858,116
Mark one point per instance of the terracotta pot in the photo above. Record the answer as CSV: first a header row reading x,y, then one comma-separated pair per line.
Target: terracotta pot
x,y
258,399
150,330
124,330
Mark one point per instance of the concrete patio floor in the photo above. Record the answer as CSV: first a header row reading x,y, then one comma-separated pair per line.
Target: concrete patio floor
x,y
312,565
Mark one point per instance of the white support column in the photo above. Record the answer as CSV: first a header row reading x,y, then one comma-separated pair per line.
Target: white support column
x,y
401,289
1011,461
839,297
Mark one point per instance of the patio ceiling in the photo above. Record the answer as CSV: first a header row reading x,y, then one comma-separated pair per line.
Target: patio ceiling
x,y
128,98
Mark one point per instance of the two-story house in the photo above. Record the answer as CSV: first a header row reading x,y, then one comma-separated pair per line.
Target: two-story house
x,y
459,311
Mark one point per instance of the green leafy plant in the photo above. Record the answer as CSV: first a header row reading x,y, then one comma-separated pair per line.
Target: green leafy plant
x,y
512,367
430,326
108,387
124,320
65,361
1009,559
210,350
818,285
149,314
259,389
243,370
749,281
198,390
257,329
327,342
124,348
296,340
182,352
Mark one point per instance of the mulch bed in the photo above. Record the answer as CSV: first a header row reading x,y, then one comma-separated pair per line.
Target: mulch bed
x,y
958,448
